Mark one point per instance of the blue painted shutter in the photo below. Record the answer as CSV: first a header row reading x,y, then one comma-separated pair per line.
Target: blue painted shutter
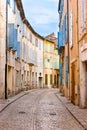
x,y
71,28
15,39
14,6
18,19
23,30
66,60
8,1
60,73
59,41
63,34
66,27
18,50
64,30
23,50
11,35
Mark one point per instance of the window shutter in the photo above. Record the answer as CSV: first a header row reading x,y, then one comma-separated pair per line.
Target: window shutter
x,y
14,6
66,30
18,50
60,73
8,1
15,39
18,19
83,13
66,60
11,35
71,28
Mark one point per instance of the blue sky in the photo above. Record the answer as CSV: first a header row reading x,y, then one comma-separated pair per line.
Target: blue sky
x,y
42,15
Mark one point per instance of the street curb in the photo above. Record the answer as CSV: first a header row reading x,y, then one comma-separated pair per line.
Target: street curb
x,y
70,111
15,99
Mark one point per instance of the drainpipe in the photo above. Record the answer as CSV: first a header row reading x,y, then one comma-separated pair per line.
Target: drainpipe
x,y
78,56
6,51
68,49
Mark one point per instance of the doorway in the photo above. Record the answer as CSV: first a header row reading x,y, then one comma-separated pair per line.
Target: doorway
x,y
10,81
40,82
73,83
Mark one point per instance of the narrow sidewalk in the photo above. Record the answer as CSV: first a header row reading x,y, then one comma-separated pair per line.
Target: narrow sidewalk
x,y
5,103
79,114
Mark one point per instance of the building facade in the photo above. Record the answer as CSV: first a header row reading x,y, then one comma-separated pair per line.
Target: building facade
x,y
74,59
24,50
2,46
63,47
82,42
51,62
68,48
77,49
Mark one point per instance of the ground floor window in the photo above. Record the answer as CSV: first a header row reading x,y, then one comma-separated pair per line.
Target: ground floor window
x,y
54,79
46,79
57,79
51,79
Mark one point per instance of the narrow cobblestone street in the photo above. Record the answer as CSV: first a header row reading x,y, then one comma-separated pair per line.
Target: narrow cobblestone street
x,y
38,110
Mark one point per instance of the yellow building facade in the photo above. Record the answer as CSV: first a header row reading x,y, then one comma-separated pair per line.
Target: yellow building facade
x,y
82,42
74,59
76,48
51,62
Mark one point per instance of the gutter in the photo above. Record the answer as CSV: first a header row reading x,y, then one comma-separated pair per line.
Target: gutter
x,y
6,52
68,48
78,56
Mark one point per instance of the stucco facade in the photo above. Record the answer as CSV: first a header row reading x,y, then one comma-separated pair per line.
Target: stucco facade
x,y
2,46
24,52
82,26
63,47
77,50
51,62
74,59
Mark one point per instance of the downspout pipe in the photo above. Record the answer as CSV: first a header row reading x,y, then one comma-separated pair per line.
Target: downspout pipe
x,y
68,48
78,56
6,51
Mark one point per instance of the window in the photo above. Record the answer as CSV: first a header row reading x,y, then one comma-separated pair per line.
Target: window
x,y
14,6
66,60
54,79
51,79
36,42
30,37
46,79
57,79
39,45
71,29
83,13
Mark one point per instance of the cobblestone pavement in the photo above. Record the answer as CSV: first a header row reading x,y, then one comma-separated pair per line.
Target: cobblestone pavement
x,y
76,111
38,110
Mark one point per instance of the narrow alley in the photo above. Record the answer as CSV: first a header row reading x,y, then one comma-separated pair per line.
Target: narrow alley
x,y
38,110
